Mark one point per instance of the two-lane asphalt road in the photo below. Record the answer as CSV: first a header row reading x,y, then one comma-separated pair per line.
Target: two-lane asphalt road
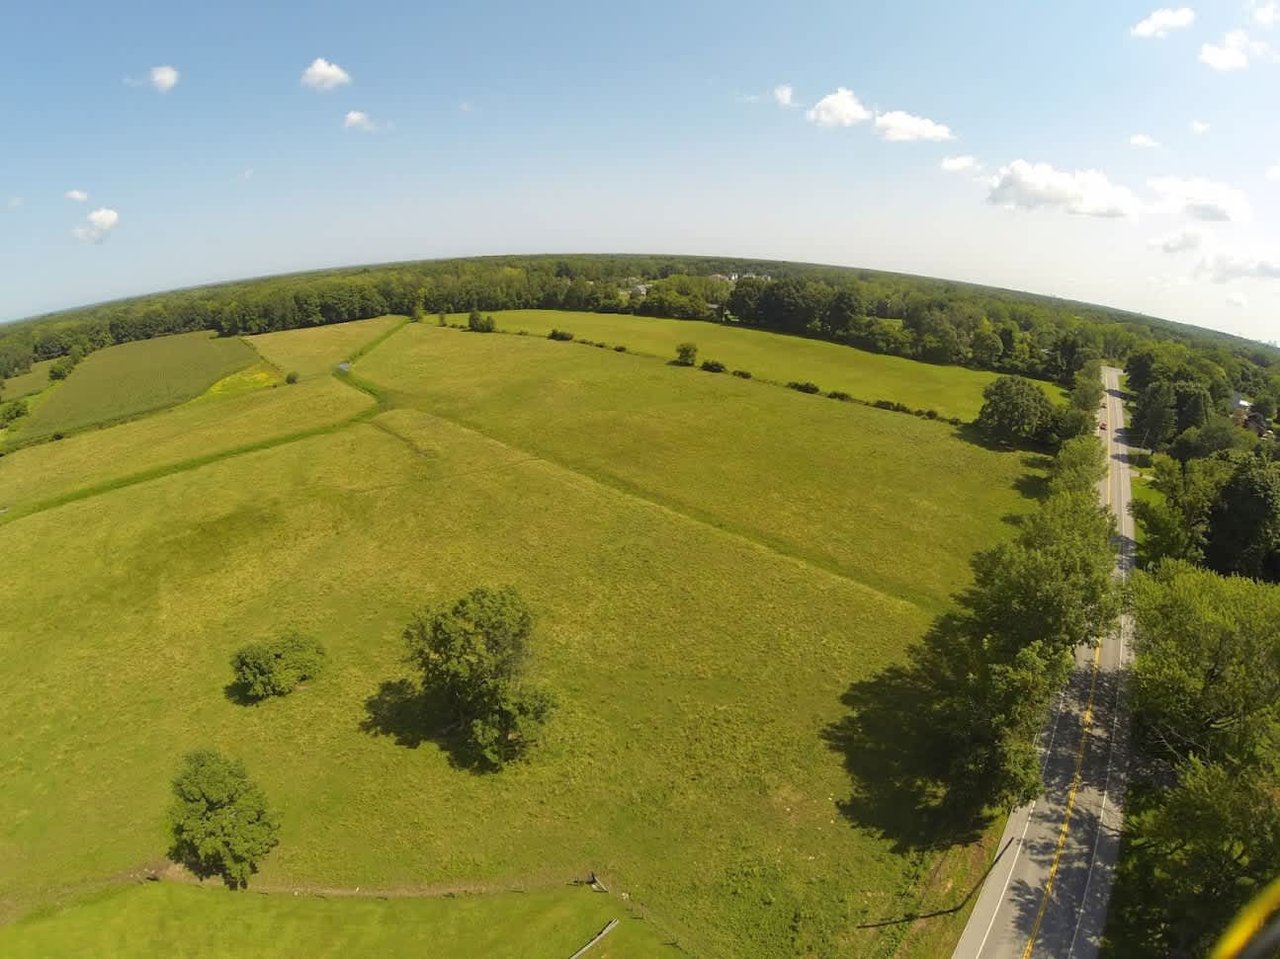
x,y
1047,892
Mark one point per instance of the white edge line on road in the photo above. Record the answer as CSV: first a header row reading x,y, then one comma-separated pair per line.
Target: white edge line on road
x,y
1013,863
1115,722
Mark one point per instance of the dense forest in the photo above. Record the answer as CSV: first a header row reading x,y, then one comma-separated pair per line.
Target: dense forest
x,y
930,320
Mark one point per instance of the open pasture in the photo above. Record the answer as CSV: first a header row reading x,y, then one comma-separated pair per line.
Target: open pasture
x,y
951,390
712,562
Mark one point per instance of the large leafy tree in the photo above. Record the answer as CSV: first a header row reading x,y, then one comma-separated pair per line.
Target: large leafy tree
x,y
219,819
1015,410
1244,524
473,656
1206,680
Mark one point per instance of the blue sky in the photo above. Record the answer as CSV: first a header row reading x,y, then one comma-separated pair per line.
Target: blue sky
x,y
808,131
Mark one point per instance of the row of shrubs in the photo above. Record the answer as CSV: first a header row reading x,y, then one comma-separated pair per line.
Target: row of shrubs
x,y
565,336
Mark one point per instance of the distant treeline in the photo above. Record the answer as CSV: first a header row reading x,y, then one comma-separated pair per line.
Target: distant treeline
x,y
931,320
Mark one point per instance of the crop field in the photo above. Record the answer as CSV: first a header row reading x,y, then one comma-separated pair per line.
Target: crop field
x,y
950,390
712,562
184,922
315,352
28,383
124,381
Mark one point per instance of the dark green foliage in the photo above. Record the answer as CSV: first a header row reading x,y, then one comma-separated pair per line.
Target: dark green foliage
x,y
713,366
473,656
11,411
1202,829
276,668
805,387
479,323
742,374
1244,524
976,692
686,354
563,335
1079,466
220,822
844,397
1087,391
1015,411
291,377
619,348
1155,416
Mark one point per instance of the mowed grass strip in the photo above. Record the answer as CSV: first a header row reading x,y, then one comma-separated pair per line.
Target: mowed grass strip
x,y
951,390
894,501
186,922
696,672
205,427
121,382
26,384
315,351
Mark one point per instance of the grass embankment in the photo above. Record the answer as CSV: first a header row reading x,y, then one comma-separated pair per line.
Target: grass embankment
x,y
712,562
28,383
951,390
184,922
122,382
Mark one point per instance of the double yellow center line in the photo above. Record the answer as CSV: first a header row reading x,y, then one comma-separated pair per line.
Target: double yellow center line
x,y
1065,829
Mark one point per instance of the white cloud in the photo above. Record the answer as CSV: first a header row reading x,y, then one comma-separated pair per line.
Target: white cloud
x,y
1200,199
247,173
901,127
784,96
323,75
1235,52
359,120
1199,127
1081,192
101,222
164,79
1266,14
1159,23
1274,173
466,106
14,202
1143,140
1226,267
1181,242
839,109
958,164
1237,300
78,195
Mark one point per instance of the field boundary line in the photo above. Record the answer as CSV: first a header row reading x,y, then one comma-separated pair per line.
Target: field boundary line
x,y
653,500
182,466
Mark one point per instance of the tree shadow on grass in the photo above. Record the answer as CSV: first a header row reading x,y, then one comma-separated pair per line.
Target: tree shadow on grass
x,y
894,747
238,694
410,716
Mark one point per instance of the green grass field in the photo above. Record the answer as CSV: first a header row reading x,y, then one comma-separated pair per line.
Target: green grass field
x,y
28,383
43,473
125,381
185,922
950,390
316,352
712,562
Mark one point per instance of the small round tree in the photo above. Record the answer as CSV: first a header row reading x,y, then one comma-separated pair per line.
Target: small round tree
x,y
686,354
276,668
219,819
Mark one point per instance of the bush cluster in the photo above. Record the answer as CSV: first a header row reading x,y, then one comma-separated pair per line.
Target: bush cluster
x,y
804,387
563,335
276,668
686,354
840,395
742,374
713,366
478,322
